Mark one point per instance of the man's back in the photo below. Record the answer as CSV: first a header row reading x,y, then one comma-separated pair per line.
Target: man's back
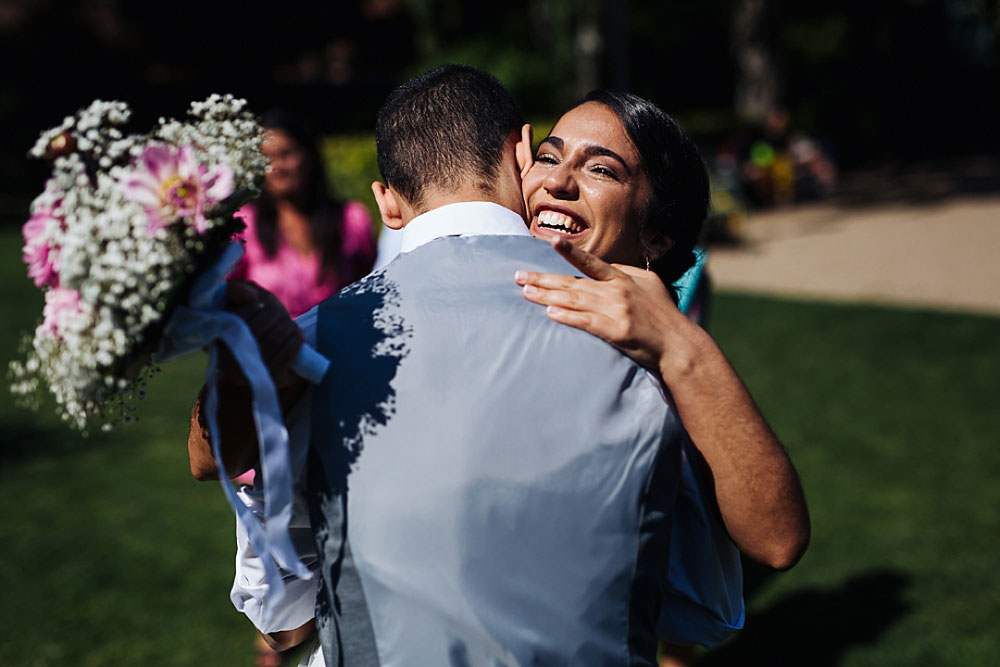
x,y
497,505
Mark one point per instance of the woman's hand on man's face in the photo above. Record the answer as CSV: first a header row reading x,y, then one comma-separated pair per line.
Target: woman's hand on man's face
x,y
630,308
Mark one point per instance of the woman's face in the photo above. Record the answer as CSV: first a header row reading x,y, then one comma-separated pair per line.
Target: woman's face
x,y
588,186
287,175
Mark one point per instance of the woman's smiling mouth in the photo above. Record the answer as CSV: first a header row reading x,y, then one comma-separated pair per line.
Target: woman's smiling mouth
x,y
555,221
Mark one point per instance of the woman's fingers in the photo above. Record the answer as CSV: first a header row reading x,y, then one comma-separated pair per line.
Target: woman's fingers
x,y
623,305
588,263
574,318
598,308
569,298
596,324
545,280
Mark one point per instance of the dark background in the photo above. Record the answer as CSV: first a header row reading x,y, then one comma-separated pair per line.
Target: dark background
x,y
894,80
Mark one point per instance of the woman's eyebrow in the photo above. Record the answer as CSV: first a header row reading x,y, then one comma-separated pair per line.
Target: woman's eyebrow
x,y
556,142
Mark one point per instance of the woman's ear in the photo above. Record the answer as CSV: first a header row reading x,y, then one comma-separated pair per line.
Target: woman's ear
x,y
388,205
656,244
522,151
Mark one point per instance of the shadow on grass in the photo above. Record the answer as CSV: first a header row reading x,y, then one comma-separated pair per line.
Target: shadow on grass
x,y
23,440
920,182
816,627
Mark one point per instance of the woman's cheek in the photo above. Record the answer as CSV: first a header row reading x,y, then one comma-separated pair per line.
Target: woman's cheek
x,y
529,186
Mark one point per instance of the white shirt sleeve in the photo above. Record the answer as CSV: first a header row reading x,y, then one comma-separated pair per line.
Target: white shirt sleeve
x,y
250,587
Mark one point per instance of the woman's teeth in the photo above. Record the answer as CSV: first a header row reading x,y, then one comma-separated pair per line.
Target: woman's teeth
x,y
559,222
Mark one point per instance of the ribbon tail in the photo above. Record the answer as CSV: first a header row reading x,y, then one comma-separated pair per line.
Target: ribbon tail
x,y
199,323
257,537
273,442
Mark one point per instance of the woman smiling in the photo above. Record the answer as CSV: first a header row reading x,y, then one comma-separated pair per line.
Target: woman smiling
x,y
621,192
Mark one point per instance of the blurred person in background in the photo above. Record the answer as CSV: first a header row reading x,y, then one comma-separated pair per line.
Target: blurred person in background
x,y
782,166
302,244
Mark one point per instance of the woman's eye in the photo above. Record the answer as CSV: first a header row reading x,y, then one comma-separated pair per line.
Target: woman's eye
x,y
601,170
546,159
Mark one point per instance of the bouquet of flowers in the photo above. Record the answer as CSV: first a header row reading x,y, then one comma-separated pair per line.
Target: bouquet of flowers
x,y
130,241
123,226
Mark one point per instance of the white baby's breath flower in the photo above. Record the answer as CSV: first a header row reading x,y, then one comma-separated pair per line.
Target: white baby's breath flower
x,y
117,279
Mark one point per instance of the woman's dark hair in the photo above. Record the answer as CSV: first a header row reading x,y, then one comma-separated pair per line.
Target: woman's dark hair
x,y
325,212
679,199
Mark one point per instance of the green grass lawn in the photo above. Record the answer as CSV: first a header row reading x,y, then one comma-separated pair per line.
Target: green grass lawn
x,y
891,418
112,555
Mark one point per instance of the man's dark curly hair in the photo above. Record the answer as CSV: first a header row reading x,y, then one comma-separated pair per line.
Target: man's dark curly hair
x,y
444,128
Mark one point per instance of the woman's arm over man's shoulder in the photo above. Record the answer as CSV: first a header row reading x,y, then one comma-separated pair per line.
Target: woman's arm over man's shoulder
x,y
756,486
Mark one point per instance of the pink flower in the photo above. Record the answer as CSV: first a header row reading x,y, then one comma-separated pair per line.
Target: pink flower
x,y
61,305
171,184
42,259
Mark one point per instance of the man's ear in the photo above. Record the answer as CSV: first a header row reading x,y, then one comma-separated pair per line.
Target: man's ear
x,y
388,205
522,151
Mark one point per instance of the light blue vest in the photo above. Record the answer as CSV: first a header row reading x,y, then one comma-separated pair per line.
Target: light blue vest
x,y
509,481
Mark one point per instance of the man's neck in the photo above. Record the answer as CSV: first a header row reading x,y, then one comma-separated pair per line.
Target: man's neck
x,y
437,199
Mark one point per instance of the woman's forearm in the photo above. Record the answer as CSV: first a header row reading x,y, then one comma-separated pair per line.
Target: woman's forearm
x,y
279,340
758,491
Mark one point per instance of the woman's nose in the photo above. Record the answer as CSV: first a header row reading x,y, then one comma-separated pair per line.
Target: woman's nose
x,y
560,183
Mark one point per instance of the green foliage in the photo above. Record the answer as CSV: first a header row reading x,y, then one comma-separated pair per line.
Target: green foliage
x,y
528,75
351,165
533,58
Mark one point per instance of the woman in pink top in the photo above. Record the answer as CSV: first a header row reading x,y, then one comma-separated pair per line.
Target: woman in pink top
x,y
301,243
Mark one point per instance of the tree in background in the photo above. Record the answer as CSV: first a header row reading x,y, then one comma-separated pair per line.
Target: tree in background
x,y
758,89
898,78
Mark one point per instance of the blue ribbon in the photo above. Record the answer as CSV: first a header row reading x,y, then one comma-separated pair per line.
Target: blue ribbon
x,y
200,323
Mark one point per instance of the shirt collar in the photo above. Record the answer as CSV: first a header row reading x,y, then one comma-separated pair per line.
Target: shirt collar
x,y
470,218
